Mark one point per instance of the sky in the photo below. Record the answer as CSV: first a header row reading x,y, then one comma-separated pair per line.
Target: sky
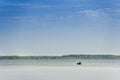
x,y
57,27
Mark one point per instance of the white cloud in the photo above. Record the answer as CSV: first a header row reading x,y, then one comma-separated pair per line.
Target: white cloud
x,y
93,13
117,11
25,5
101,12
21,17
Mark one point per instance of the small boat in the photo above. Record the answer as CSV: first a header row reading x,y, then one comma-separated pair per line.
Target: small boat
x,y
79,63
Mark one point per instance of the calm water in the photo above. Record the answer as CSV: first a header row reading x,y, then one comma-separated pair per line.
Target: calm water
x,y
59,70
59,62
59,73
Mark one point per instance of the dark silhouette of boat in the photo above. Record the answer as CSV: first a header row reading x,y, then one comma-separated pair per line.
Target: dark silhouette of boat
x,y
79,63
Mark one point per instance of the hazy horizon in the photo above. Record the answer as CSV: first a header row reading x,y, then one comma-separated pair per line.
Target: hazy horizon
x,y
58,27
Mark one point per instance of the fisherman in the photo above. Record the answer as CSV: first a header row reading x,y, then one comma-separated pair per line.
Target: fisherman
x,y
79,63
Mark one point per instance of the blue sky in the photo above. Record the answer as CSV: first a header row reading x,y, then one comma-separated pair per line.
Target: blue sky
x,y
56,27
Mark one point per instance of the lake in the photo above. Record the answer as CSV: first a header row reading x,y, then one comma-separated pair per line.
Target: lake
x,y
57,62
59,70
59,73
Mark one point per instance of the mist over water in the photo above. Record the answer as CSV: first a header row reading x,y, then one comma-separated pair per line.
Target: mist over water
x,y
59,73
59,62
59,69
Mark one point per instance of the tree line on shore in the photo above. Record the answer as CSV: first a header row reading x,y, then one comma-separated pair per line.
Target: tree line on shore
x,y
62,57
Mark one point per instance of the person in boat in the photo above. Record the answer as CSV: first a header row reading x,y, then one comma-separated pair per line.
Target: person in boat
x,y
79,63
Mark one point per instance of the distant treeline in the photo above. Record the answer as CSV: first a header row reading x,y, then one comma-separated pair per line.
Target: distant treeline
x,y
29,57
93,56
85,57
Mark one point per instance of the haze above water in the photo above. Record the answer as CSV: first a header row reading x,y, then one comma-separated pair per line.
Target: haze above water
x,y
59,62
59,70
59,73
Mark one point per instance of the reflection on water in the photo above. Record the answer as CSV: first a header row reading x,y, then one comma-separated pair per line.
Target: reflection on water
x,y
59,62
58,73
59,70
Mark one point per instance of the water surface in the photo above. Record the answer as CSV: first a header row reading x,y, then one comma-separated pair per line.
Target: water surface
x,y
56,62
